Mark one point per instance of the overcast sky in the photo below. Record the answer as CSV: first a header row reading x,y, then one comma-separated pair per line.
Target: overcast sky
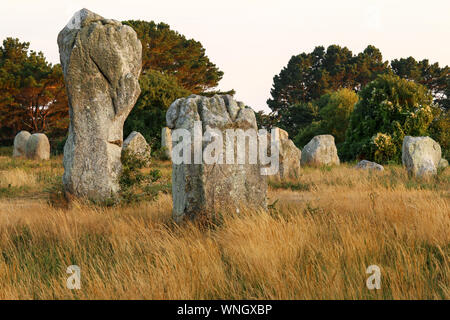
x,y
251,40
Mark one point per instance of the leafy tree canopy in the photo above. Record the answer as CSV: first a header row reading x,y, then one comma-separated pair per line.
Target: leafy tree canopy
x,y
329,114
389,109
308,76
169,52
32,94
148,116
265,121
432,76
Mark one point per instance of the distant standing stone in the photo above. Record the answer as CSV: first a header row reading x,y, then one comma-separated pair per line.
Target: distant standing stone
x,y
443,163
38,147
369,165
290,155
20,143
421,155
321,150
166,141
136,144
101,61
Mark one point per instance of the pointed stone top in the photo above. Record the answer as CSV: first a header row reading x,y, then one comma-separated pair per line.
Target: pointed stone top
x,y
81,18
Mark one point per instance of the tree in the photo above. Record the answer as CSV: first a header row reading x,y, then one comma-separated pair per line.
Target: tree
x,y
265,121
169,52
308,76
335,111
148,116
298,117
440,131
32,93
331,116
389,109
432,76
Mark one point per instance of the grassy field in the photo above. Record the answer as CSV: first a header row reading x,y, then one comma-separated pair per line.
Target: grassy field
x,y
321,233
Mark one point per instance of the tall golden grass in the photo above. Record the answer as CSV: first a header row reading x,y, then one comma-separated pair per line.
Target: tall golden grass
x,y
16,177
321,233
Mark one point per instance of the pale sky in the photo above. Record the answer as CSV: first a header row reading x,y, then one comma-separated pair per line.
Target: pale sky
x,y
251,40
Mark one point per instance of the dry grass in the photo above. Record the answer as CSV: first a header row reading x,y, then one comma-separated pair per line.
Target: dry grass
x,y
17,177
323,231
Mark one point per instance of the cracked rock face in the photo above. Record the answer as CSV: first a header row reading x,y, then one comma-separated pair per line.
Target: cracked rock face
x,y
101,61
421,155
201,191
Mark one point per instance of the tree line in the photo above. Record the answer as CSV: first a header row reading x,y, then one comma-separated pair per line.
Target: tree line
x,y
366,103
33,96
369,105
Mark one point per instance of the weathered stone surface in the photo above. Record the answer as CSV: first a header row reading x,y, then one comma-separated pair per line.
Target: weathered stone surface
x,y
136,144
101,61
443,163
369,165
20,143
421,155
38,147
201,190
282,134
290,155
166,141
321,150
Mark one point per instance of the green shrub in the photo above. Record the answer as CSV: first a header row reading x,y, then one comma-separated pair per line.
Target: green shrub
x,y
160,154
389,109
333,113
135,185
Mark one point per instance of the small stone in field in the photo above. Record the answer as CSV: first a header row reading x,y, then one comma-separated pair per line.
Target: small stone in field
x,y
321,150
166,141
38,147
421,155
20,143
136,144
365,164
443,163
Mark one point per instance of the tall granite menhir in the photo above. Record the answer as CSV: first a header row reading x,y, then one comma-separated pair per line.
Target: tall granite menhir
x,y
101,61
201,191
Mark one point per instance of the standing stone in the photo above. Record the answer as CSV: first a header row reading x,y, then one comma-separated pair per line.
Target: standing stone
x,y
166,141
321,150
38,147
282,134
421,155
290,155
443,163
136,144
369,165
101,61
200,191
20,143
